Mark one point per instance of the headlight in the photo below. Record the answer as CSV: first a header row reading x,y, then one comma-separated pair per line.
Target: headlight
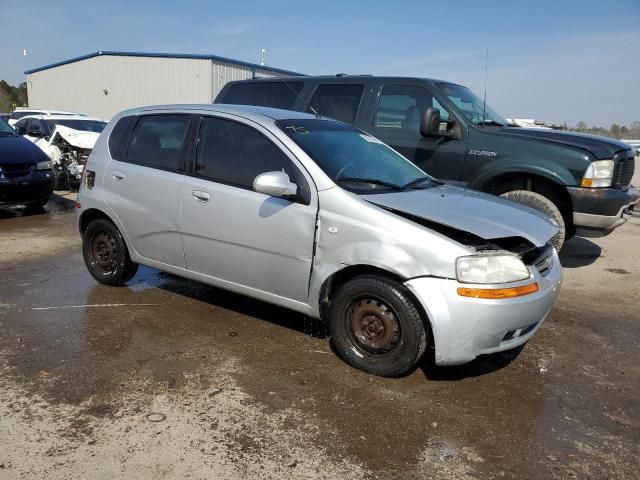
x,y
44,165
491,268
599,174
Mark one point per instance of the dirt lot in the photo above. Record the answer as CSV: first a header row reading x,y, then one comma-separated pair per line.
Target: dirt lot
x,y
166,378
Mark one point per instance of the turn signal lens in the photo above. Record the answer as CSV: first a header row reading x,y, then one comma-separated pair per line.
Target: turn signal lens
x,y
586,182
498,293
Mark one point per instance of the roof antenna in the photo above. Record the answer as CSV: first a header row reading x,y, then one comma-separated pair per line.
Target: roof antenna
x,y
484,101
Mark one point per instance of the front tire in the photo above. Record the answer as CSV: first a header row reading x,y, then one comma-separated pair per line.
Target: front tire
x,y
542,204
376,326
106,255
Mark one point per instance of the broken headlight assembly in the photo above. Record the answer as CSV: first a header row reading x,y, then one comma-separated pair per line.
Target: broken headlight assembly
x,y
598,174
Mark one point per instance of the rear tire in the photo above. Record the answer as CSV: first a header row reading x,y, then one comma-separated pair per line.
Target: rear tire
x,y
106,255
376,326
542,204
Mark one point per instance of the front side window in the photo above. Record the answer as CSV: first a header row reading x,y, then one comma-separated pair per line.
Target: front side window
x,y
235,154
353,159
157,141
402,106
470,105
264,94
339,101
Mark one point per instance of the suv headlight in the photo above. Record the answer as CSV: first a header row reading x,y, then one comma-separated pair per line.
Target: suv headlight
x,y
43,165
598,174
491,268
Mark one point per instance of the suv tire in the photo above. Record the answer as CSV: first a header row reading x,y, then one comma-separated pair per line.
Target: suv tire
x,y
376,326
542,204
106,255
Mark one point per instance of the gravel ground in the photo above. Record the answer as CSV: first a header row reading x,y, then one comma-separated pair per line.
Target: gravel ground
x,y
166,378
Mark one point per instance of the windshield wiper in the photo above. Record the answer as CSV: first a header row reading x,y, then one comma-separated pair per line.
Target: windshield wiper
x,y
490,122
417,181
11,134
373,181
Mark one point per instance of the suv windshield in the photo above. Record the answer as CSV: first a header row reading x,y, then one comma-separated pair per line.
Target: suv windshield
x,y
471,105
353,159
82,125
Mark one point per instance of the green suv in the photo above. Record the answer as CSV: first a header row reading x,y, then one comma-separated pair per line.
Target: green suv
x,y
583,182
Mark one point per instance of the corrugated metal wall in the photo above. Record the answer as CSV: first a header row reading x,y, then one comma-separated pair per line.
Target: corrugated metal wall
x,y
104,85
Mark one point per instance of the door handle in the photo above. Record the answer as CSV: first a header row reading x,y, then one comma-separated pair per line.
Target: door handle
x,y
200,196
117,175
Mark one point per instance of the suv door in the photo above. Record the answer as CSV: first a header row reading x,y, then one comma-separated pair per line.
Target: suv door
x,y
395,119
143,189
240,236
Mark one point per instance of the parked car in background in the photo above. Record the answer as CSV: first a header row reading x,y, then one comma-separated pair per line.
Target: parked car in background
x,y
320,217
66,139
26,177
20,112
581,181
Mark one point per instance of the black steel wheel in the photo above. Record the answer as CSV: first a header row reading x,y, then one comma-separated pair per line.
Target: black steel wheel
x,y
106,255
376,326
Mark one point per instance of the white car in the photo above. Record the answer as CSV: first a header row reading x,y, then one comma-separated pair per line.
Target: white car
x,y
21,112
66,139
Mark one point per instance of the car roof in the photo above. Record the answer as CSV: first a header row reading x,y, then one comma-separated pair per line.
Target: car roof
x,y
342,77
61,117
247,111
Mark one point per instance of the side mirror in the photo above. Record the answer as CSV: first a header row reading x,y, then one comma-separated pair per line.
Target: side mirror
x,y
275,184
430,123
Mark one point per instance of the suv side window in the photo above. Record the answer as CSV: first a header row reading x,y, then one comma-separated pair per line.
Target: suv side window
x,y
402,106
157,141
235,154
339,101
264,94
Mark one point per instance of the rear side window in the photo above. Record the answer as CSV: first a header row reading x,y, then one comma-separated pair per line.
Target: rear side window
x,y
157,141
119,138
337,101
264,94
235,154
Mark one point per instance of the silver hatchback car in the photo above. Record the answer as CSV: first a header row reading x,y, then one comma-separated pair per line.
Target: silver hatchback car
x,y
317,216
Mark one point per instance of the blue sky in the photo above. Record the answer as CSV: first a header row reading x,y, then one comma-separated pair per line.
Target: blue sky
x,y
562,60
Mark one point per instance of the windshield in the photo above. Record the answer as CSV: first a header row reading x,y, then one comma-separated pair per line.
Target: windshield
x,y
353,159
23,113
82,125
471,105
5,129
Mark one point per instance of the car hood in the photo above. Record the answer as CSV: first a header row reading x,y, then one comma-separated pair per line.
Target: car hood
x,y
599,147
19,150
478,213
77,138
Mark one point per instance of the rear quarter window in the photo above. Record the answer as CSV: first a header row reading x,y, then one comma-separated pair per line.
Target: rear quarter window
x,y
157,141
119,138
263,94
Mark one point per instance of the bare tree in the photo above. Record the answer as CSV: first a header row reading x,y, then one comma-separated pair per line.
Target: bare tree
x,y
5,102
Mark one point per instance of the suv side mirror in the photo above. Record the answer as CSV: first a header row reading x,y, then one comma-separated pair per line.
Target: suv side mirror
x,y
430,123
275,184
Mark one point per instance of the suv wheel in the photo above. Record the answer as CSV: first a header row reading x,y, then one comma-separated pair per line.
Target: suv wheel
x,y
106,255
544,205
376,326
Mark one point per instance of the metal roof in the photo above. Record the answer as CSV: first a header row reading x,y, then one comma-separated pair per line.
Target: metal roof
x,y
195,56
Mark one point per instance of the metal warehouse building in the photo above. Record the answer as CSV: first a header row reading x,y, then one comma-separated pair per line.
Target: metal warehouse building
x,y
102,84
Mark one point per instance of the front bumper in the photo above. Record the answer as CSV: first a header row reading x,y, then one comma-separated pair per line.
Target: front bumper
x,y
464,327
34,187
601,210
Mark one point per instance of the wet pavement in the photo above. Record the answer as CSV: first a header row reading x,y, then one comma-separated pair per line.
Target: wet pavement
x,y
168,378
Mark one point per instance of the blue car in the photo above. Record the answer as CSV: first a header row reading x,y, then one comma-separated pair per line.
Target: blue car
x,y
26,177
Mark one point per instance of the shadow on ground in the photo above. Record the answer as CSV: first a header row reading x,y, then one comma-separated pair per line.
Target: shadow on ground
x,y
60,202
579,252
